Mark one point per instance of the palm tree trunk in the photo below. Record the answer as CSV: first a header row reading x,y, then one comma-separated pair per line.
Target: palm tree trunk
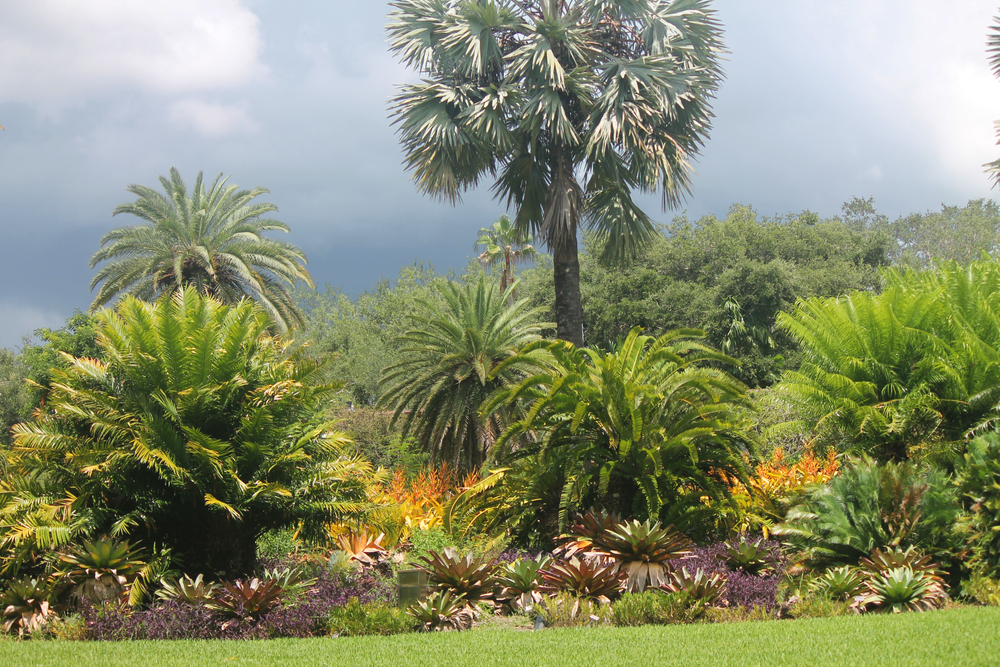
x,y
569,310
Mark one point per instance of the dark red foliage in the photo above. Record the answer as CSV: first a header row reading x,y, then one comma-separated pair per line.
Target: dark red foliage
x,y
742,589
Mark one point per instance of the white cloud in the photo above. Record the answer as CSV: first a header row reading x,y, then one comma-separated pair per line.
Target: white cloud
x,y
62,51
212,120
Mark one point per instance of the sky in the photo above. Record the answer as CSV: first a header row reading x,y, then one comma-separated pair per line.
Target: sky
x,y
823,101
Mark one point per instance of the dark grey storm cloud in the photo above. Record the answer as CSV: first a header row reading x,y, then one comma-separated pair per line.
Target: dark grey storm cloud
x,y
823,101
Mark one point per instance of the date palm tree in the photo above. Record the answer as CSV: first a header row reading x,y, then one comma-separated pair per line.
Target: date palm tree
x,y
211,238
571,105
503,244
448,371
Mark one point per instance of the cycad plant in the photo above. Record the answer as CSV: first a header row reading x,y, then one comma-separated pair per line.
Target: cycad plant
x,y
571,104
211,239
868,507
198,432
647,430
452,359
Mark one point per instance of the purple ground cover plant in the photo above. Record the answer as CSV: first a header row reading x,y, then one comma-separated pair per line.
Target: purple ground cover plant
x,y
742,589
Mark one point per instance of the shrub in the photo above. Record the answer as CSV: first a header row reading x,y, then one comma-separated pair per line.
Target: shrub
x,y
983,590
354,619
591,578
839,583
565,610
656,608
25,605
643,551
699,586
743,556
739,614
901,589
442,610
62,628
821,606
518,583
469,577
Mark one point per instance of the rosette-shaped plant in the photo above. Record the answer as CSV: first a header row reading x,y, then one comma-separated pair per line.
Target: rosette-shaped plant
x,y
592,578
588,530
469,577
101,570
442,610
25,605
841,583
745,557
362,547
643,551
186,589
901,589
707,588
518,583
246,599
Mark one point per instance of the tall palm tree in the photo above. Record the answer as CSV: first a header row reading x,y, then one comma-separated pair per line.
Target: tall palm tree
x,y
571,104
211,239
449,370
505,245
993,49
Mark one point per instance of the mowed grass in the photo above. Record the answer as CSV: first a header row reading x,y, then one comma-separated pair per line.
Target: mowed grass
x,y
967,636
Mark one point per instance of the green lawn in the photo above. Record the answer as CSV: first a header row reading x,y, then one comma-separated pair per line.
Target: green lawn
x,y
968,636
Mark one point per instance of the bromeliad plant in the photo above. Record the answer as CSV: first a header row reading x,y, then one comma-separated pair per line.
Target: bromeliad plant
x,y
26,604
518,583
442,610
591,578
101,570
468,577
745,557
901,589
644,551
361,548
186,589
246,599
839,583
701,586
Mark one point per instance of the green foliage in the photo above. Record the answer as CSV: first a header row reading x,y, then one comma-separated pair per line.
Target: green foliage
x,y
837,583
978,476
442,610
211,239
728,276
453,359
700,586
590,578
504,246
901,589
907,372
25,605
468,577
646,431
870,506
198,432
359,336
15,395
355,619
983,590
186,589
657,608
276,544
822,606
742,556
566,610
959,234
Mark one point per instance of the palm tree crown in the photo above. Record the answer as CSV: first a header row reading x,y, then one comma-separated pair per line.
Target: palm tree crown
x,y
570,104
505,245
449,370
211,239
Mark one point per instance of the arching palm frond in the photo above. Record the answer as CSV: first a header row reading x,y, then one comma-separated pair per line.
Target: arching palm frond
x,y
449,369
211,239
